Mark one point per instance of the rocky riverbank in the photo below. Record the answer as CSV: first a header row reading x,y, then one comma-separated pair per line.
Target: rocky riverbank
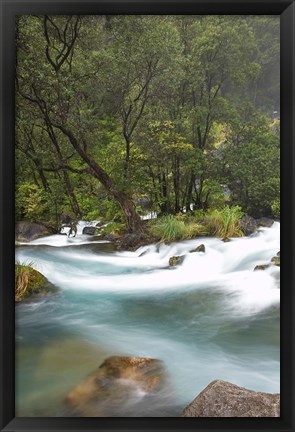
x,y
120,381
26,231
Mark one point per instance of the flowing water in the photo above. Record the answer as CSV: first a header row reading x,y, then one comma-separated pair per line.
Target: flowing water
x,y
213,317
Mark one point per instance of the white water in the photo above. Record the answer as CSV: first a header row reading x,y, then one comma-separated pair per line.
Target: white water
x,y
213,317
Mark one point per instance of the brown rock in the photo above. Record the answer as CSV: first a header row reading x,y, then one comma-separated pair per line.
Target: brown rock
x,y
117,382
200,248
223,399
176,260
261,267
276,260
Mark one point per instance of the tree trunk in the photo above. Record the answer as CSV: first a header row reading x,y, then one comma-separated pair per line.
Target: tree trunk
x,y
164,192
190,192
176,184
70,190
68,184
127,157
132,218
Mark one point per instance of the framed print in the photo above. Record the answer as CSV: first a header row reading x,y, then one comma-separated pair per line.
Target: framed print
x,y
146,200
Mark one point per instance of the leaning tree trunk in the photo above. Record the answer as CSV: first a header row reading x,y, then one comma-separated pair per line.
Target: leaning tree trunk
x,y
70,191
133,220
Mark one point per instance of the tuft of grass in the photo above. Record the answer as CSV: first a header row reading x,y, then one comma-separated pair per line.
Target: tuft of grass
x,y
225,223
171,228
28,281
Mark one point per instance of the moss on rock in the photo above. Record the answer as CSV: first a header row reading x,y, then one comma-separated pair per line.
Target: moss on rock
x,y
29,281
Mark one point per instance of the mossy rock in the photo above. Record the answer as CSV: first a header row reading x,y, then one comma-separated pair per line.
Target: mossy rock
x,y
276,260
261,267
29,281
200,248
176,260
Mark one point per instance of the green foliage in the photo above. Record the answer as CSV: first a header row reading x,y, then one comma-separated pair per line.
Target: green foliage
x,y
224,223
252,159
169,228
168,107
115,228
276,209
31,202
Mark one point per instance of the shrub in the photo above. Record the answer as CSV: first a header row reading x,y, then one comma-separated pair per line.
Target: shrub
x,y
115,228
276,209
30,202
170,228
225,223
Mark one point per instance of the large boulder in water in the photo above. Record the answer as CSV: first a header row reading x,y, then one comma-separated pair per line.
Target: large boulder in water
x,y
27,231
223,399
118,383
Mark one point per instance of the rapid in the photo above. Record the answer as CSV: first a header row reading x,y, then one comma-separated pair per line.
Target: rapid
x,y
212,317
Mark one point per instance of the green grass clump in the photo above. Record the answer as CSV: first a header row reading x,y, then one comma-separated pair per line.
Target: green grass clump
x,y
28,281
170,228
224,223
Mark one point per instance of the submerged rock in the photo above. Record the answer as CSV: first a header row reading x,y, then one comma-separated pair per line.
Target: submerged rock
x,y
27,231
276,260
223,399
261,267
200,248
176,260
119,381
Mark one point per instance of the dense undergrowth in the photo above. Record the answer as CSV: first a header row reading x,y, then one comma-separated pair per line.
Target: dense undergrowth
x,y
223,223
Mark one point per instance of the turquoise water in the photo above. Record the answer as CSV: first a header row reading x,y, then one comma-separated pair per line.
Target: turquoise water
x,y
211,318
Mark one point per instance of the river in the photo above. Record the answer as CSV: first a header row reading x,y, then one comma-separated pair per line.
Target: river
x,y
213,317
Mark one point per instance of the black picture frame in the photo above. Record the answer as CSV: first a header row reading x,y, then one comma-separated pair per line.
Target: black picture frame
x,y
11,8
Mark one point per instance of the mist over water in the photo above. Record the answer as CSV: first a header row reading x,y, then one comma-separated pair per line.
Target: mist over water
x,y
213,317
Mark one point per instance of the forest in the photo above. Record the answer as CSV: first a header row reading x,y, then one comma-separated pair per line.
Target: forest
x,y
120,116
147,199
